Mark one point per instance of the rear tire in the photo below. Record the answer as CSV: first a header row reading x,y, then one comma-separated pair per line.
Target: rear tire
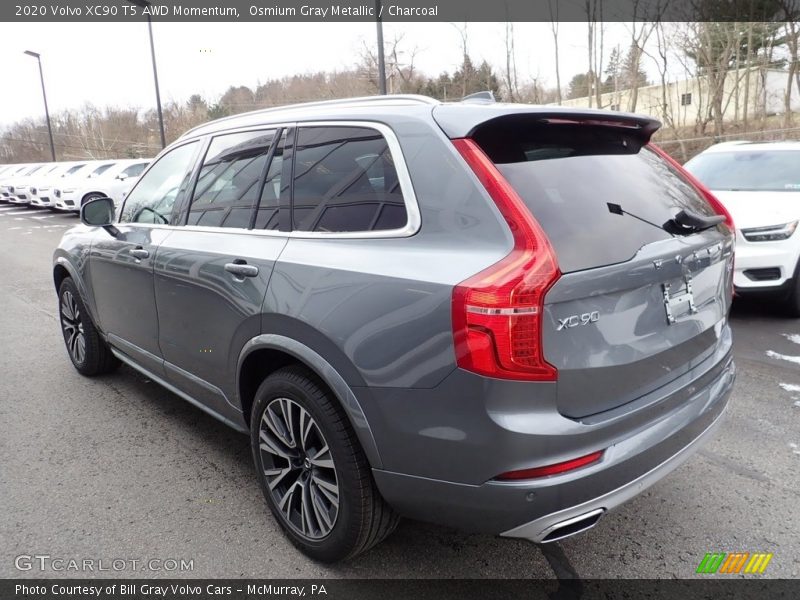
x,y
308,457
87,350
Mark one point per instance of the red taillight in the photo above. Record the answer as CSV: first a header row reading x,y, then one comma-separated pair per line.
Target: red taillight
x,y
718,207
562,467
497,314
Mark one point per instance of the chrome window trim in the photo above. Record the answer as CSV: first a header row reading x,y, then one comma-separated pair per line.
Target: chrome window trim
x,y
414,217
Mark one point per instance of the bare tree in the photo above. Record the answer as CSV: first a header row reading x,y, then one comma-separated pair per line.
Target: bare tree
x,y
463,34
553,7
591,25
662,64
641,30
511,64
792,35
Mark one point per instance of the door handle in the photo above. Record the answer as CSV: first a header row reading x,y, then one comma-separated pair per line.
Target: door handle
x,y
239,268
140,253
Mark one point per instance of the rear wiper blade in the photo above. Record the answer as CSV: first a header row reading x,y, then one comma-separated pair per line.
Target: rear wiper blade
x,y
687,222
617,209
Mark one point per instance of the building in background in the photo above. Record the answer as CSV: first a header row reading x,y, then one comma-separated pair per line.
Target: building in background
x,y
759,92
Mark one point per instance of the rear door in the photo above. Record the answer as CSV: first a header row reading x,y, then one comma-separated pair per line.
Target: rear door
x,y
211,274
636,306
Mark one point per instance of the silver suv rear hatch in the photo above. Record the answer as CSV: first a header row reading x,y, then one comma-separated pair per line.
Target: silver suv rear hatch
x,y
637,305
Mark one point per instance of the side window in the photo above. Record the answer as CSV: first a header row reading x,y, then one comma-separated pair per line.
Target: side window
x,y
345,181
268,205
152,199
229,182
134,170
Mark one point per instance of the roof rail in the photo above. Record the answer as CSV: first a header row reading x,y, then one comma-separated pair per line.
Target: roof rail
x,y
338,101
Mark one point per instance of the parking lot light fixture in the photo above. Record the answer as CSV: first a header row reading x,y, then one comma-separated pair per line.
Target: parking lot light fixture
x,y
38,58
146,4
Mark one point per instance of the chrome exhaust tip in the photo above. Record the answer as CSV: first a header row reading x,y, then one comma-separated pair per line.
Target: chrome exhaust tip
x,y
570,527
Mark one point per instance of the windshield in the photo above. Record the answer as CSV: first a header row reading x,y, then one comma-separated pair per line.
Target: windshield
x,y
101,170
756,170
73,170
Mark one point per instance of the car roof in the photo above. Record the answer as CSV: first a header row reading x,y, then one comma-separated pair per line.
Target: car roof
x,y
457,119
746,146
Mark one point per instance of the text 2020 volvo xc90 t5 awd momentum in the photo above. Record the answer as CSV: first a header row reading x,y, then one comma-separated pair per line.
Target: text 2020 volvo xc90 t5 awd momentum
x,y
502,318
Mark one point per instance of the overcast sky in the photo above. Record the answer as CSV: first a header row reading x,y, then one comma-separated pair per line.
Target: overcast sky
x,y
109,64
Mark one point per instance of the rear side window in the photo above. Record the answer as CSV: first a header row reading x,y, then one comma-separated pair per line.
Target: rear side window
x,y
345,181
567,173
228,187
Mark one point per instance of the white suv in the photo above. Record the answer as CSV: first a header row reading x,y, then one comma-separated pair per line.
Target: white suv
x,y
76,192
17,186
41,188
759,184
123,181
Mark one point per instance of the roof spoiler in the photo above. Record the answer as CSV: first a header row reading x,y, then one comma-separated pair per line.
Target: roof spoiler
x,y
463,119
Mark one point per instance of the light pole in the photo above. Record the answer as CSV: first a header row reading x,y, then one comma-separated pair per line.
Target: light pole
x,y
145,4
46,110
381,59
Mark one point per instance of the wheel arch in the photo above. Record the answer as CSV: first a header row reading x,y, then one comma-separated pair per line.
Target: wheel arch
x,y
62,269
267,353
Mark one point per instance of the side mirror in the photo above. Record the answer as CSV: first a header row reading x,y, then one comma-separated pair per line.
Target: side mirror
x,y
122,176
99,213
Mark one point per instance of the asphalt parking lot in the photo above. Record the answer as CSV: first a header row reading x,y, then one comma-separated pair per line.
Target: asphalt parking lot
x,y
118,468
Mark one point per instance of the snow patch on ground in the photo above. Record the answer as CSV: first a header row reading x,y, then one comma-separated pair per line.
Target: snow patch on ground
x,y
790,387
792,337
786,357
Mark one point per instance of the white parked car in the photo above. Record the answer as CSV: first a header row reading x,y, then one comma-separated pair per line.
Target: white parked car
x,y
66,192
759,184
41,188
123,181
17,185
7,177
103,181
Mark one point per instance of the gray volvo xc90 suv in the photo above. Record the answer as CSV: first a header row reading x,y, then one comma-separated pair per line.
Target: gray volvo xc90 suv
x,y
501,318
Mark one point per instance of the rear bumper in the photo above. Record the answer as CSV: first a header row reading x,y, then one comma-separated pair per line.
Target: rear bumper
x,y
550,527
641,446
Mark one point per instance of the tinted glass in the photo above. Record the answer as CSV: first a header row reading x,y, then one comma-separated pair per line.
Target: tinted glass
x,y
566,175
74,169
152,199
758,170
345,181
100,170
135,170
229,182
268,206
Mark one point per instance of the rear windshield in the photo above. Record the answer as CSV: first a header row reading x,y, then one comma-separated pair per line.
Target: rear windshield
x,y
757,170
567,174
